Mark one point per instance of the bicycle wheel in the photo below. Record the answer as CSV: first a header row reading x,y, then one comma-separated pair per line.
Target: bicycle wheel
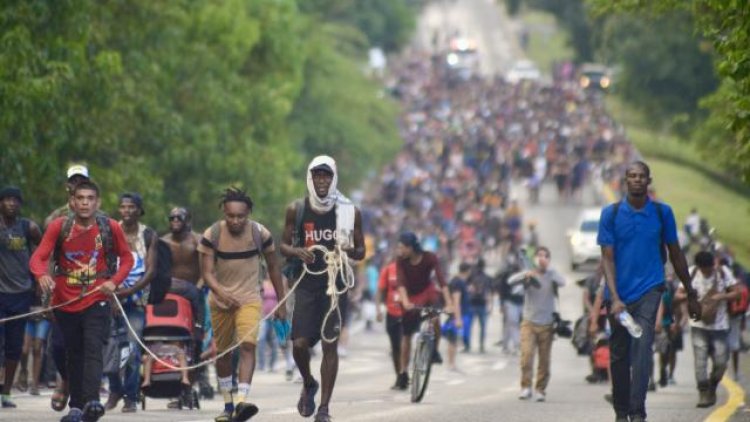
x,y
422,366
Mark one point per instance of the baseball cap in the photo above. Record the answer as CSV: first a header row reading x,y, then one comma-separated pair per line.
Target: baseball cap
x,y
136,198
11,192
324,167
78,170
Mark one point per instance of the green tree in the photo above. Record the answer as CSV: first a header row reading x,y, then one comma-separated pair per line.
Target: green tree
x,y
727,26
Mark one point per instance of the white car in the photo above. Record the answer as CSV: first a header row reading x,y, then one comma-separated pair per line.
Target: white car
x,y
523,70
583,246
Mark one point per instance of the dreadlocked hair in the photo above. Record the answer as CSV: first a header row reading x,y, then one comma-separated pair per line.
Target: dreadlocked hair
x,y
233,194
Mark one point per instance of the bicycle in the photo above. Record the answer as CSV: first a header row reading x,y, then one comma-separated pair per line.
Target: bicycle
x,y
423,352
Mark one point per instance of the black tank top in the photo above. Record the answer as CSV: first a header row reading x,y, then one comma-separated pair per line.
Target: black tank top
x,y
318,229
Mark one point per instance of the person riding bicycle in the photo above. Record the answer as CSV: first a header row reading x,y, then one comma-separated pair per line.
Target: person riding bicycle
x,y
414,269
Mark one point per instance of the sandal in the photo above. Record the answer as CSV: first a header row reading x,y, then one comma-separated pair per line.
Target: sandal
x,y
59,400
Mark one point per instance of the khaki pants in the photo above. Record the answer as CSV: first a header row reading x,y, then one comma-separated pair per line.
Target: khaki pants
x,y
533,337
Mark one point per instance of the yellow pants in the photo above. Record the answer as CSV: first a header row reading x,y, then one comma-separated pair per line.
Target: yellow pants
x,y
236,324
535,337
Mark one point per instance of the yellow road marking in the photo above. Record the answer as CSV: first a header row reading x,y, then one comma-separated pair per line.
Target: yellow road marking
x,y
736,399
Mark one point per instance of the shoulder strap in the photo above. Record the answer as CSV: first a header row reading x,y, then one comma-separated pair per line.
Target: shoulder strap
x,y
215,234
148,236
299,212
67,226
257,238
615,209
661,217
105,231
26,229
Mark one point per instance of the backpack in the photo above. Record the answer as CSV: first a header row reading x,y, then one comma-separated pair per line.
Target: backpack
x,y
662,246
162,281
710,307
739,306
215,234
108,245
293,266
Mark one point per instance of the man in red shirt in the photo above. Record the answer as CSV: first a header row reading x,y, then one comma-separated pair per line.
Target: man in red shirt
x,y
414,270
388,293
83,261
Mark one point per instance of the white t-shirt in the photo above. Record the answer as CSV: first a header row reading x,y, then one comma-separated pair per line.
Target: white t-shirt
x,y
702,285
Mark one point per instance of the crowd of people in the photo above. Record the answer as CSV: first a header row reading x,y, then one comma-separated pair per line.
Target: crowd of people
x,y
444,211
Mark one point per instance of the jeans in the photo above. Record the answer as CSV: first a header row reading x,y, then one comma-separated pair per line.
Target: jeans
x,y
130,386
267,338
479,312
536,337
85,333
13,331
632,359
511,325
709,344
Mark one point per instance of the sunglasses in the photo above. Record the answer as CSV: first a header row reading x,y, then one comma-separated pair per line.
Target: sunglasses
x,y
176,218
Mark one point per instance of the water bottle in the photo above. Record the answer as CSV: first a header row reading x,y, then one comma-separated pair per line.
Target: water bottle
x,y
629,323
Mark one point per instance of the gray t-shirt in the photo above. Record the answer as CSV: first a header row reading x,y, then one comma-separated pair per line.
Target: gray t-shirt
x,y
539,302
15,276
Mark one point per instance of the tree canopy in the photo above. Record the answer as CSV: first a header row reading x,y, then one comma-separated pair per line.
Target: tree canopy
x,y
180,99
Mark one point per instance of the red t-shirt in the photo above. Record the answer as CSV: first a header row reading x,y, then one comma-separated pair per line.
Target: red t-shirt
x,y
417,278
82,254
388,282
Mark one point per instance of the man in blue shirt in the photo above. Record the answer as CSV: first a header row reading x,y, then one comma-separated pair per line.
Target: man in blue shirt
x,y
632,235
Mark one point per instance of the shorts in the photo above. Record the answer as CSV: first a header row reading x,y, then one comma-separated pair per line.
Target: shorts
x,y
12,331
310,307
735,330
237,324
37,329
427,297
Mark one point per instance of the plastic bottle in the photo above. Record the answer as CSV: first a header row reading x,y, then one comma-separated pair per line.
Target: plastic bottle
x,y
629,323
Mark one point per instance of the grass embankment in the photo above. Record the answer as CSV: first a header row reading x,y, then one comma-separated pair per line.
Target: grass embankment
x,y
547,43
682,176
685,179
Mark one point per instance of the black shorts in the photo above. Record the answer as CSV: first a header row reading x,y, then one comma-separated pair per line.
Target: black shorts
x,y
410,322
310,307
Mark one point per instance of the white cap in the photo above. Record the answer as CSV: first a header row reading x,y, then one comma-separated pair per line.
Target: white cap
x,y
78,170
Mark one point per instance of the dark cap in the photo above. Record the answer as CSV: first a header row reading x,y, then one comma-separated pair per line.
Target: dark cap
x,y
411,240
323,167
464,267
136,198
11,192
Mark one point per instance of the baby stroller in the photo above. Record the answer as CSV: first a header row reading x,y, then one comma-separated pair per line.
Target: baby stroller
x,y
170,323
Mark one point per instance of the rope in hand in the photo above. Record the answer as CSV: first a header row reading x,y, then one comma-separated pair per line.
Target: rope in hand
x,y
50,308
335,263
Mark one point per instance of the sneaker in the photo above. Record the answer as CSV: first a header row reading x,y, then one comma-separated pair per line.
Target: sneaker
x,y
525,394
92,411
608,398
306,403
539,396
34,390
129,406
112,401
289,374
225,416
402,382
244,411
322,415
74,415
651,385
437,359
7,403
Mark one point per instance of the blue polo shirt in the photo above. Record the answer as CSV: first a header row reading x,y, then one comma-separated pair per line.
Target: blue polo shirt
x,y
636,236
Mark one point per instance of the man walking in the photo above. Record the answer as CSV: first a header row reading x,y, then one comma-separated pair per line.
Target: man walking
x,y
231,251
632,235
710,336
18,236
388,293
84,249
537,331
327,219
133,294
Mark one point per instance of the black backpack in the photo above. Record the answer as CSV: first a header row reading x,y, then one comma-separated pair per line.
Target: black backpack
x,y
662,246
162,281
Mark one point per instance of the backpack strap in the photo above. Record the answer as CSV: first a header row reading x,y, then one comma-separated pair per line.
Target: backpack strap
x,y
105,231
148,236
299,212
257,237
67,226
26,229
